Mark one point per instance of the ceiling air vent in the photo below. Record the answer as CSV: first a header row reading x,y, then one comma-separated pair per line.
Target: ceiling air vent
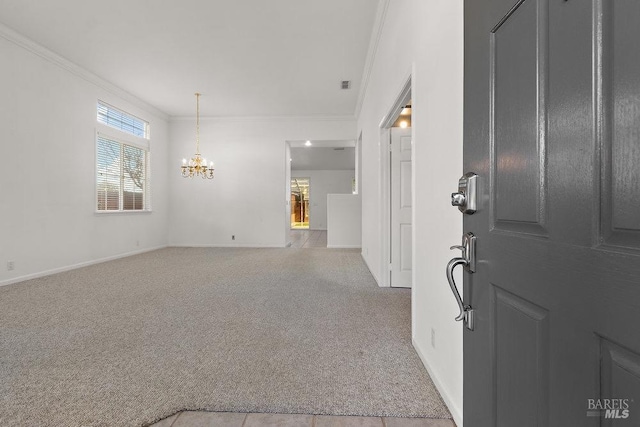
x,y
339,149
346,84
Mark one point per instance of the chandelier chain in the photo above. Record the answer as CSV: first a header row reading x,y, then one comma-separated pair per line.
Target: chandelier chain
x,y
197,123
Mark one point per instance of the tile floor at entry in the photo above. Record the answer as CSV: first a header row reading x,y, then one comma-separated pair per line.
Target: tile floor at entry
x,y
234,419
308,238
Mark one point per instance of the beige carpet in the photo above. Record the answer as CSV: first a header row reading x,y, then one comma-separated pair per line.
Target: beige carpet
x,y
132,341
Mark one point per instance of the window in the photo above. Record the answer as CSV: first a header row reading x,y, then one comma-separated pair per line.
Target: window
x,y
122,162
120,120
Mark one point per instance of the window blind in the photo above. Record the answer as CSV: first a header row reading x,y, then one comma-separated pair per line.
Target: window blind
x,y
120,120
121,174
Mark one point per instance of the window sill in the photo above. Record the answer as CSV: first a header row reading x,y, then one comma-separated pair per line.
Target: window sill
x,y
135,212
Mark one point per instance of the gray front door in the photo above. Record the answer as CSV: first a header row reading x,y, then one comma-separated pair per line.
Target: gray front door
x,y
552,128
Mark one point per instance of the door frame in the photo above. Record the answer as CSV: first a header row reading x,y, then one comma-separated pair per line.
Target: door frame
x,y
384,184
287,190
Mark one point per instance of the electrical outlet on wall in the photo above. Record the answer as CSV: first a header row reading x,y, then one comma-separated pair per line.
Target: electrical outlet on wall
x,y
433,338
233,237
10,266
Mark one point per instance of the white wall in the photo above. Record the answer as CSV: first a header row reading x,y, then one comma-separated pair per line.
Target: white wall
x,y
422,39
321,183
249,196
344,221
47,146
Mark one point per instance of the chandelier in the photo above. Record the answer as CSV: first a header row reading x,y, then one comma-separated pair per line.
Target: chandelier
x,y
197,165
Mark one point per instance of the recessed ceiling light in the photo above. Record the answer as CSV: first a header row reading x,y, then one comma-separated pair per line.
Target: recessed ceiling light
x,y
308,143
403,124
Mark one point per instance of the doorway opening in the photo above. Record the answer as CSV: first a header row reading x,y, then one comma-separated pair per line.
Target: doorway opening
x,y
396,155
300,203
331,166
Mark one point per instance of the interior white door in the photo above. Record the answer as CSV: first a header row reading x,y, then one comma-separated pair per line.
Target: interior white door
x,y
401,221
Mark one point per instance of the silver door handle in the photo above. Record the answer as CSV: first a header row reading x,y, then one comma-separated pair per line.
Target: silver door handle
x,y
466,312
464,309
468,261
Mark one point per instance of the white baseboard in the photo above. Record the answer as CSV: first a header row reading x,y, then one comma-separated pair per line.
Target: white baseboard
x,y
375,277
232,245
456,411
75,266
344,246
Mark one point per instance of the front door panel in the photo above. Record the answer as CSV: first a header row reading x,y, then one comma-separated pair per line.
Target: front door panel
x,y
518,94
552,128
620,133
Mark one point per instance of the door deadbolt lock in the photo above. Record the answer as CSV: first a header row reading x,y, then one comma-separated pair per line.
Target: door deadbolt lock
x,y
465,198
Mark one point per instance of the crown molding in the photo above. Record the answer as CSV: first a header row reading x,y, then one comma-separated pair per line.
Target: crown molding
x,y
265,119
376,33
52,57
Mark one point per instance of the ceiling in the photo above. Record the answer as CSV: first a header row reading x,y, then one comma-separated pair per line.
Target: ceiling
x,y
323,158
246,57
